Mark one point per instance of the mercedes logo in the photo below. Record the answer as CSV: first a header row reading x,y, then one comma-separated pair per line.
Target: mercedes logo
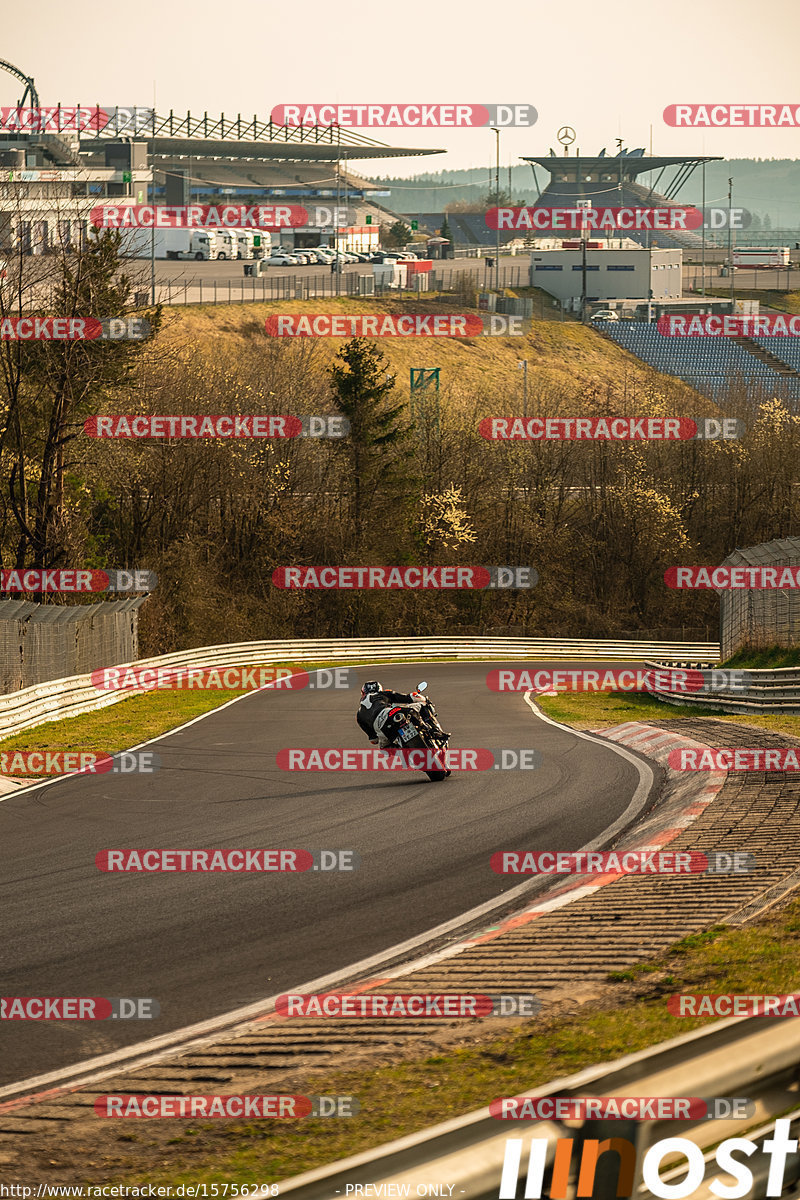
x,y
566,135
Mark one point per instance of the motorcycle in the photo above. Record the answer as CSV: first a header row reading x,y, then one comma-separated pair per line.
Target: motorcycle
x,y
408,728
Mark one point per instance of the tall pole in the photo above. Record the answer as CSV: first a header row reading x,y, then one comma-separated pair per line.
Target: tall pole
x,y
703,251
152,240
583,205
346,198
497,204
730,235
337,260
523,364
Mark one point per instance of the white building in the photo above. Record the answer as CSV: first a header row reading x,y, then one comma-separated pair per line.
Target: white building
x,y
47,190
631,272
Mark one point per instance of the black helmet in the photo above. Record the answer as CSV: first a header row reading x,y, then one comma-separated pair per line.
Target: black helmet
x,y
370,688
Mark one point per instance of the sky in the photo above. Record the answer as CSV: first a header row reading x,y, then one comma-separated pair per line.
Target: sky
x,y
609,73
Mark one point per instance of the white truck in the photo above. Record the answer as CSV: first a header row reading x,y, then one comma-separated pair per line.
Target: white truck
x,y
246,240
227,244
748,257
262,243
244,243
170,243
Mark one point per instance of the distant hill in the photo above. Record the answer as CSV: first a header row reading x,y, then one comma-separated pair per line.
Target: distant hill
x,y
769,188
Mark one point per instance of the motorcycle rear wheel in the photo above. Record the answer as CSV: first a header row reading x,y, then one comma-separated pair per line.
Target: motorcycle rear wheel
x,y
423,743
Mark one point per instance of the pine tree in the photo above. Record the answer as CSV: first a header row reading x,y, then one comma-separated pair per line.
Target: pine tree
x,y
377,445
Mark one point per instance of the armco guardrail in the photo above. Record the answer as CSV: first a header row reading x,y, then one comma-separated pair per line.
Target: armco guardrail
x,y
752,1058
70,697
768,691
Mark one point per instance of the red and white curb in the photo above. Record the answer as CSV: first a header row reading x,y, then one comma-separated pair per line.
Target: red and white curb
x,y
688,799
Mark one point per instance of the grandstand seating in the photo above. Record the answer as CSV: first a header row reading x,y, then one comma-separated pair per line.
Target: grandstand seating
x,y
787,349
710,365
288,179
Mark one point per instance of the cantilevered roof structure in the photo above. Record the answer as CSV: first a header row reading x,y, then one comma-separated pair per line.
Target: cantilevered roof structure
x,y
582,173
178,137
613,181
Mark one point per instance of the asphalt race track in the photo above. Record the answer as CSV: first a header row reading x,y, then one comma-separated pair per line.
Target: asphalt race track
x,y
203,944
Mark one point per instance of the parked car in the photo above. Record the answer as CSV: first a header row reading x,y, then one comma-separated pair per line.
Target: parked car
x,y
278,259
324,254
301,257
605,314
384,256
359,257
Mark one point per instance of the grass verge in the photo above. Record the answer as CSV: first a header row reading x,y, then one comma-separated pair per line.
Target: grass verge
x,y
770,658
596,710
401,1098
127,723
120,726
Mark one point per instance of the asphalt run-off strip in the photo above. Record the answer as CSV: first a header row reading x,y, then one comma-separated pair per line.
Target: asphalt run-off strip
x,y
559,946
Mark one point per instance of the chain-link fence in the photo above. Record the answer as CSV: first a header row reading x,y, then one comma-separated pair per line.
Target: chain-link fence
x,y
761,617
39,642
260,288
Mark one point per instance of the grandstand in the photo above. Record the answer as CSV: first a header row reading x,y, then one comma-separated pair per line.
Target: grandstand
x,y
711,365
467,229
605,181
612,182
785,349
203,158
50,179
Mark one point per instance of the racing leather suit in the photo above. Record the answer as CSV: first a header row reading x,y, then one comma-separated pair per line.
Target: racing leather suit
x,y
377,702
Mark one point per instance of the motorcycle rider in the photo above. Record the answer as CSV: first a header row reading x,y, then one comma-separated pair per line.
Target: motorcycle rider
x,y
375,699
